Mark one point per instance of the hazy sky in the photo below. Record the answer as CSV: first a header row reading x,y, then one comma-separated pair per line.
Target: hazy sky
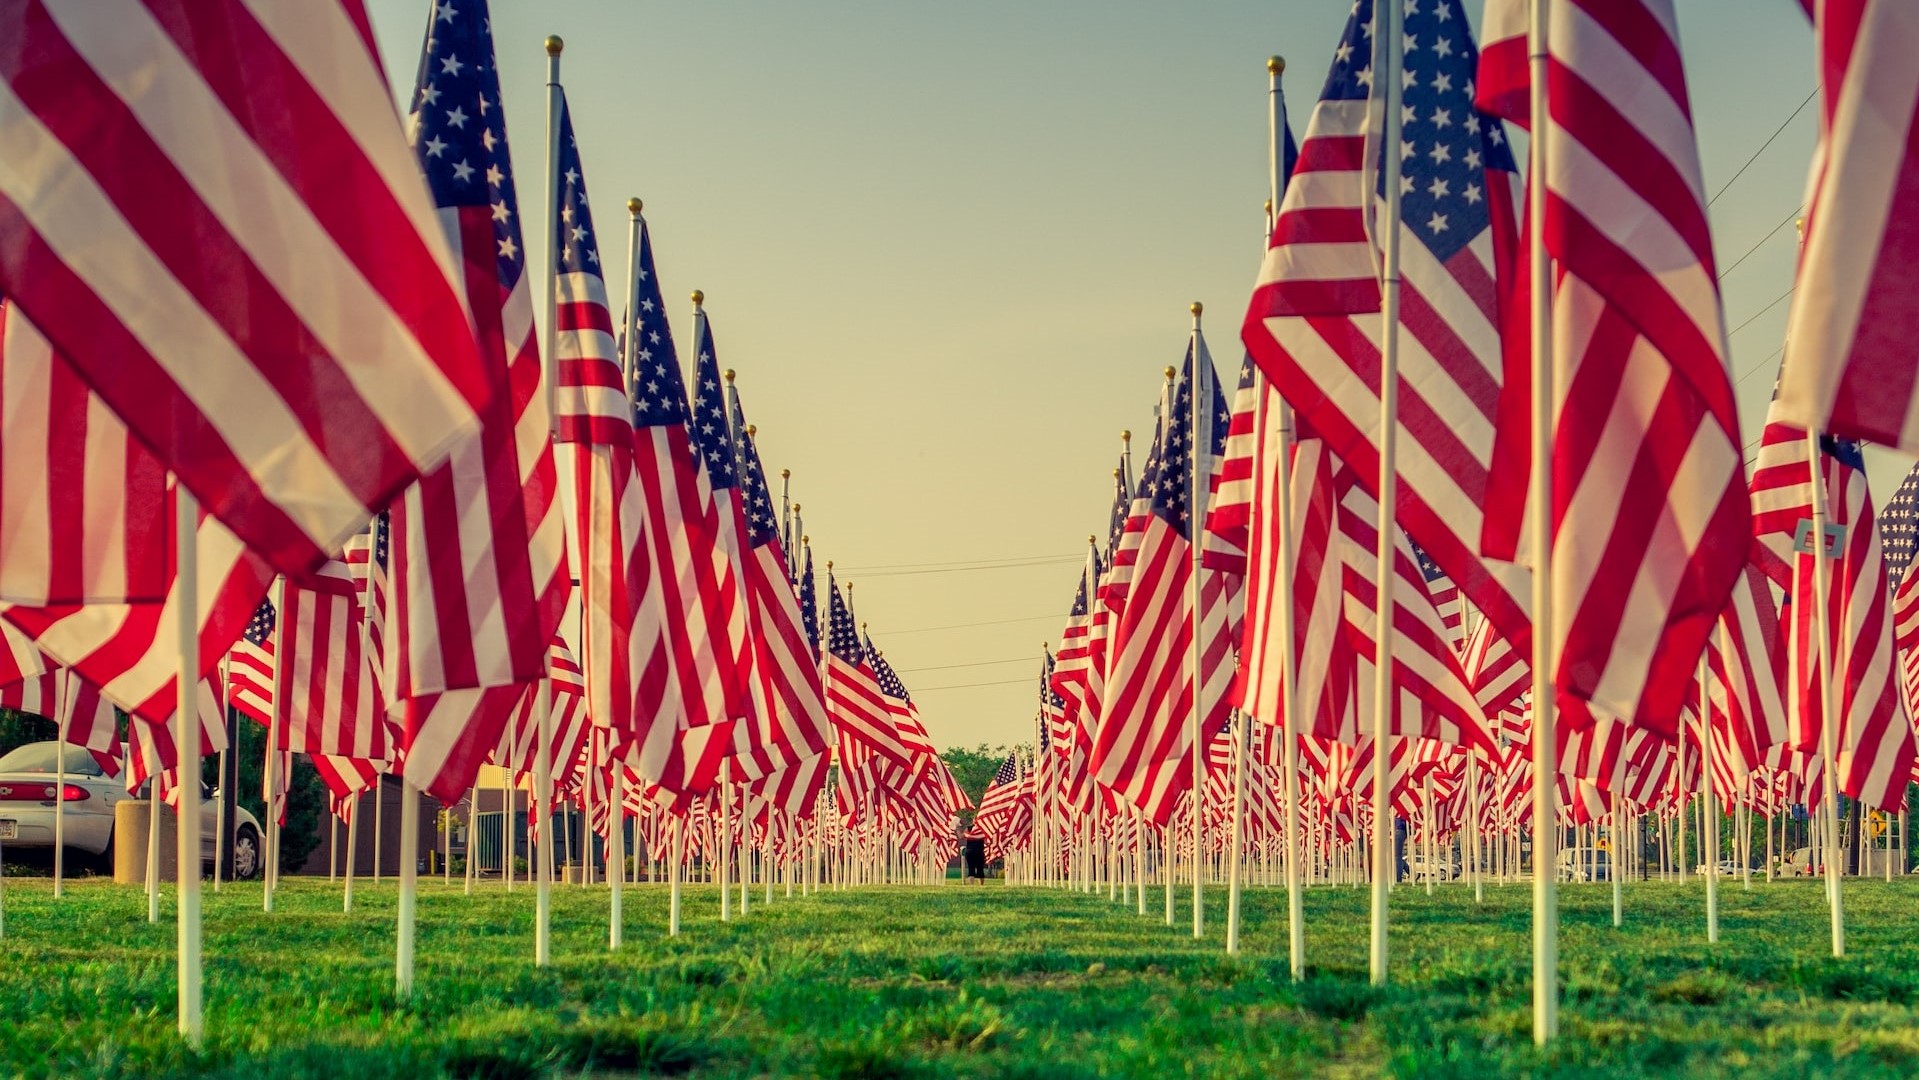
x,y
950,246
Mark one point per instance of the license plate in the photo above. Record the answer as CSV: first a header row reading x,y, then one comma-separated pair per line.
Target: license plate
x,y
9,830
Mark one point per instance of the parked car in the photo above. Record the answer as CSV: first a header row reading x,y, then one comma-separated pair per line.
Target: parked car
x,y
1800,863
28,793
1441,869
1727,868
1584,864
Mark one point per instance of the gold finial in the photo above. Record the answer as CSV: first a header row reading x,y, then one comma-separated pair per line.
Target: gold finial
x,y
1197,309
808,541
829,564
1169,373
634,205
699,297
786,474
796,508
1090,538
1115,474
752,431
727,374
1275,65
1269,206
1126,436
1799,224
554,45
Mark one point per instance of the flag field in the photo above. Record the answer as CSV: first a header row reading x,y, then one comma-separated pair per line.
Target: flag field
x,y
986,982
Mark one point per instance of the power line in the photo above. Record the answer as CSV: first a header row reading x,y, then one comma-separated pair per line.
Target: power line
x,y
958,563
969,685
1762,147
869,575
976,663
1755,315
1762,243
970,625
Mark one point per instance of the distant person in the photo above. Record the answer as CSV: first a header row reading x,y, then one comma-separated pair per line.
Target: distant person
x,y
975,854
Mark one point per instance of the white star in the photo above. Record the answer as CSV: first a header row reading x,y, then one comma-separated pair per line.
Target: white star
x,y
484,104
1443,83
501,213
1438,223
1405,149
1472,122
1471,193
1412,8
463,172
652,388
487,140
451,66
1364,76
1438,189
566,213
1444,11
1443,117
646,305
429,95
1472,158
1497,136
457,117
1406,115
445,13
1343,53
593,256
576,235
572,177
508,249
1408,79
1405,184
1409,42
1440,154
494,176
434,147
1443,47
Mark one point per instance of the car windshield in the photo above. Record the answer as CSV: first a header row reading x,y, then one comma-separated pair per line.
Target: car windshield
x,y
39,758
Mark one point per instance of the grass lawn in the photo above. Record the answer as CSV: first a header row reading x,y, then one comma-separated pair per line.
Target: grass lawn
x,y
952,981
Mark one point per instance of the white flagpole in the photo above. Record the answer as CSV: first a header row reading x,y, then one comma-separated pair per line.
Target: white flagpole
x,y
60,803
1282,483
1828,722
616,914
352,850
409,888
677,854
1199,390
1545,707
154,806
269,873
1241,727
187,749
1709,838
1387,58
542,695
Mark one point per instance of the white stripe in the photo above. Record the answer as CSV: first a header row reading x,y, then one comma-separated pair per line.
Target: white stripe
x,y
389,369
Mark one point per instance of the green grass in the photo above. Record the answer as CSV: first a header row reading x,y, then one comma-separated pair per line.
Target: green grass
x,y
960,981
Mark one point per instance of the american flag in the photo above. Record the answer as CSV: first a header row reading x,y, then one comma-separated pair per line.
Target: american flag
x,y
250,665
152,749
789,702
237,257
131,650
1874,738
345,780
82,716
19,657
1313,324
77,492
997,805
566,697
1651,518
1143,744
1072,667
622,648
853,696
1899,532
332,705
1849,359
1056,718
478,570
1445,596
809,601
697,604
1432,697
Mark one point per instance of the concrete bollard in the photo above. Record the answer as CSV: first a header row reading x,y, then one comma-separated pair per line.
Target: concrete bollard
x,y
130,821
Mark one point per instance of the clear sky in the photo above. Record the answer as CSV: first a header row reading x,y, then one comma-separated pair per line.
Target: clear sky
x,y
949,247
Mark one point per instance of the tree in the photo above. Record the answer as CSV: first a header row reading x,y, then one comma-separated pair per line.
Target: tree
x,y
306,794
974,768
20,728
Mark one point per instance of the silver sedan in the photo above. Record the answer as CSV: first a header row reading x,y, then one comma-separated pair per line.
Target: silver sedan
x,y
29,791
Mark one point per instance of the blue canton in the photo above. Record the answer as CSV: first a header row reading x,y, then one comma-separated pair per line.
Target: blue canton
x,y
842,638
1899,528
459,129
578,250
659,391
260,628
712,440
762,524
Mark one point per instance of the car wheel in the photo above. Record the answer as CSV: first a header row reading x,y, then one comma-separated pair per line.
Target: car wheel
x,y
246,854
